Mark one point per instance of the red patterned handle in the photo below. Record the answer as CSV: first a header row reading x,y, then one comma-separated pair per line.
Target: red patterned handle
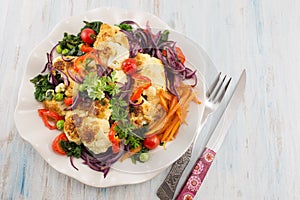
x,y
197,175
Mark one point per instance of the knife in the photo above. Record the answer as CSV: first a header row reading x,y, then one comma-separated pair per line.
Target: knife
x,y
201,167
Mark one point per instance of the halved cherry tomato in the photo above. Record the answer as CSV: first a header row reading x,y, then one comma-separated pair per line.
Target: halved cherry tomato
x,y
180,55
88,35
68,101
47,116
86,48
129,66
151,142
114,139
56,144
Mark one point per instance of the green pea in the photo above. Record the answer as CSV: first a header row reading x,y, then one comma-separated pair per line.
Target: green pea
x,y
60,124
58,49
65,51
59,97
144,157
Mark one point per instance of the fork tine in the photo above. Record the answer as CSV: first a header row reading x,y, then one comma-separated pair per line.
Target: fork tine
x,y
224,91
218,89
213,86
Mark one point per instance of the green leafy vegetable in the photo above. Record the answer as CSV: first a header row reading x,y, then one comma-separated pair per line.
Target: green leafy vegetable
x,y
41,84
164,36
71,148
70,43
125,27
95,25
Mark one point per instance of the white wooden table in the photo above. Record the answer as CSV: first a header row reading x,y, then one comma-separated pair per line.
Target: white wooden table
x,y
260,157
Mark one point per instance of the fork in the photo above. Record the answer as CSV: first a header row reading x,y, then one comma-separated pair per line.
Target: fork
x,y
214,96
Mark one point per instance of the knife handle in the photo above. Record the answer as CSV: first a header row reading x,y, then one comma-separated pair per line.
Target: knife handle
x,y
197,175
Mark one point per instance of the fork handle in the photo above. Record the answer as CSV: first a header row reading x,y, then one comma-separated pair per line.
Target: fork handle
x,y
167,188
197,175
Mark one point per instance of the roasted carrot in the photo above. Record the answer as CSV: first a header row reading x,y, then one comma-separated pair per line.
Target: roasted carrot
x,y
166,95
169,128
131,152
174,130
163,102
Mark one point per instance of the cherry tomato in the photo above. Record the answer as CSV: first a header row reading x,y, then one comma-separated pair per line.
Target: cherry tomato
x,y
86,48
180,55
68,101
88,35
129,66
151,142
56,146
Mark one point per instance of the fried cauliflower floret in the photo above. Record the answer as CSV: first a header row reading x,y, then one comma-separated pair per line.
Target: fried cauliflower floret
x,y
89,125
153,68
112,46
146,113
112,54
110,33
73,120
101,109
93,134
62,65
55,106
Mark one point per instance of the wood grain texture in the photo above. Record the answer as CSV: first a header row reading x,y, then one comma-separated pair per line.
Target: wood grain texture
x,y
260,156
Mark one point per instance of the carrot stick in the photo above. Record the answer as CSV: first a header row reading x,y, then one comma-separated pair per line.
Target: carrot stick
x,y
174,101
131,152
167,95
169,128
163,102
173,109
196,100
175,128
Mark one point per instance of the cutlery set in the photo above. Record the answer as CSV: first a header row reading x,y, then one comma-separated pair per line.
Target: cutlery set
x,y
214,96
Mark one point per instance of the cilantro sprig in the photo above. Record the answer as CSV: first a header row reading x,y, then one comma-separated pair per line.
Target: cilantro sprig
x,y
97,86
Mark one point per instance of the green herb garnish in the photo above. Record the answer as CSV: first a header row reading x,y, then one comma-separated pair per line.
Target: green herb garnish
x,y
96,86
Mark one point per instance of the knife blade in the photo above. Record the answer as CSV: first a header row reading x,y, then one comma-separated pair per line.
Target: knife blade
x,y
201,167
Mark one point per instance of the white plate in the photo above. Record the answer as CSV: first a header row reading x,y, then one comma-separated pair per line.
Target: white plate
x,y
32,129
